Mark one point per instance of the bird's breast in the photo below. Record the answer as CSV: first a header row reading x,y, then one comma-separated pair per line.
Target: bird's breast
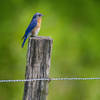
x,y
37,28
39,21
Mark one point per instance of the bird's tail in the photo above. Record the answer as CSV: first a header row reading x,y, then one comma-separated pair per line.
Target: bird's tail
x,y
24,42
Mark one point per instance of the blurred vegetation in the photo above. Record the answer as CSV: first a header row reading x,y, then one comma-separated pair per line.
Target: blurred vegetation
x,y
75,27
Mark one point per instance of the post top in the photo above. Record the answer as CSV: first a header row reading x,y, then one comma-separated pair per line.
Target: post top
x,y
40,38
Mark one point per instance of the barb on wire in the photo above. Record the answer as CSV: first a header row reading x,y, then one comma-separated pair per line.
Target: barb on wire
x,y
47,79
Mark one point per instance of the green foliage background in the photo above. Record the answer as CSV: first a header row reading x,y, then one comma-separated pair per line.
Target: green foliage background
x,y
75,27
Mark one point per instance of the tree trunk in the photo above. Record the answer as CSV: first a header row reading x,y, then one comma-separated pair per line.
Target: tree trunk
x,y
38,65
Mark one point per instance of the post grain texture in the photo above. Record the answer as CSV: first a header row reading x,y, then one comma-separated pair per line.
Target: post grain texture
x,y
38,65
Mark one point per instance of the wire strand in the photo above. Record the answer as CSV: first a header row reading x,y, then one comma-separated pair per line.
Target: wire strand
x,y
47,79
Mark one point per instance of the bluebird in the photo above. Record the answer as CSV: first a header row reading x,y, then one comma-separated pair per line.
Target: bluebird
x,y
33,27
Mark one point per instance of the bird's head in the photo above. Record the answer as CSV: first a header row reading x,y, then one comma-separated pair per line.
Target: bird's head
x,y
37,15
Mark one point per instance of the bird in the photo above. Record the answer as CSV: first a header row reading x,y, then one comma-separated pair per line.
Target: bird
x,y
33,27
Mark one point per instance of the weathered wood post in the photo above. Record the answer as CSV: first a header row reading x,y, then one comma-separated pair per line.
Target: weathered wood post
x,y
38,65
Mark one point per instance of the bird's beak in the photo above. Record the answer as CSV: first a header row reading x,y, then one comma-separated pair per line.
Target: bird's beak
x,y
42,15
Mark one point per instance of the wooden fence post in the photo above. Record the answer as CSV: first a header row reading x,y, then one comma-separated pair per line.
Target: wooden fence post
x,y
38,65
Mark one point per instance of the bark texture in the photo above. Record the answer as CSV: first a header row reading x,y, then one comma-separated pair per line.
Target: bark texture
x,y
38,65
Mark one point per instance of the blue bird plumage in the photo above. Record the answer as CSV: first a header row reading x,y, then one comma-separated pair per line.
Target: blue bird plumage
x,y
28,30
31,26
24,41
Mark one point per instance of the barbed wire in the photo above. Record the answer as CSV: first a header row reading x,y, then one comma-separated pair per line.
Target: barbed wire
x,y
47,79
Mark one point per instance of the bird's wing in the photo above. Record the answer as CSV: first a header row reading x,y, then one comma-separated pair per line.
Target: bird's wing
x,y
30,27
